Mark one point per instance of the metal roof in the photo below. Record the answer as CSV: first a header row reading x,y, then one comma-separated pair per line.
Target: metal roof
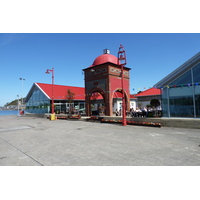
x,y
60,92
179,71
149,92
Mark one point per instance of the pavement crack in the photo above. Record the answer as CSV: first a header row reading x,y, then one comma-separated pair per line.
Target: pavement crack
x,y
21,152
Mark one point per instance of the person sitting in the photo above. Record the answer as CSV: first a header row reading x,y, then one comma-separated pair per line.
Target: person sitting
x,y
131,112
144,112
137,112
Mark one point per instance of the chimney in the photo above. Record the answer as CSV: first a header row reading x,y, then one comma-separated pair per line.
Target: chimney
x,y
106,51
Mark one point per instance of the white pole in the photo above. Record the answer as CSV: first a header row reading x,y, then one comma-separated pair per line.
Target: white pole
x,y
18,105
22,79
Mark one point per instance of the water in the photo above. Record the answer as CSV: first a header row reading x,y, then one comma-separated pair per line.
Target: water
x,y
8,112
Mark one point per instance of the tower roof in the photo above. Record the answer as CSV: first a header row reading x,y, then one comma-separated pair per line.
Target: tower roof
x,y
105,58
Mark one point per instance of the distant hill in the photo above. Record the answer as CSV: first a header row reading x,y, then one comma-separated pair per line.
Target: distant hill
x,y
14,102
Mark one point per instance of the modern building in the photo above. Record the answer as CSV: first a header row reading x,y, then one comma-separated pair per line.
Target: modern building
x,y
181,90
39,99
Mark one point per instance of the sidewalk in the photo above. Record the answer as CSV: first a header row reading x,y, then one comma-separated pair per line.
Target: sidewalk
x,y
32,141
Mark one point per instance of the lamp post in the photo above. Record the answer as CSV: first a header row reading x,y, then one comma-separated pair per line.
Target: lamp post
x,y
18,104
122,57
52,98
22,79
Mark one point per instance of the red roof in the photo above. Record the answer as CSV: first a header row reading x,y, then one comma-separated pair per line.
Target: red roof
x,y
104,58
133,96
119,95
149,92
60,91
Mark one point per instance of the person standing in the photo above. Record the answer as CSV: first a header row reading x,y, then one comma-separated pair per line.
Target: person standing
x,y
116,113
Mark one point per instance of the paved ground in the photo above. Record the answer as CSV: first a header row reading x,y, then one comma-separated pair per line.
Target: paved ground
x,y
28,141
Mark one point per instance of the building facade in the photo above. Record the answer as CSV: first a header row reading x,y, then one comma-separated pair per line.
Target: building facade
x,y
181,90
39,99
146,98
104,76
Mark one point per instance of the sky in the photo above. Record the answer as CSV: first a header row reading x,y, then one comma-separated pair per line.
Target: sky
x,y
158,37
151,57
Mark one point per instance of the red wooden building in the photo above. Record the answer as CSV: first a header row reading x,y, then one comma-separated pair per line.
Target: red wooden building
x,y
104,77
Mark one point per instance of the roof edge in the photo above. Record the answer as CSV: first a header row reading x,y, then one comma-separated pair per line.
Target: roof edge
x,y
179,71
42,90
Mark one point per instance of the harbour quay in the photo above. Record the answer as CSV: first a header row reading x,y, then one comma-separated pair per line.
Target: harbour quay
x,y
34,141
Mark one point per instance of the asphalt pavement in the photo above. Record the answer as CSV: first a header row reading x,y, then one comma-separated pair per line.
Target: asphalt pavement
x,y
32,141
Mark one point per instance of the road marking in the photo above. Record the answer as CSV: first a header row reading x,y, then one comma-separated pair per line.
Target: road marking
x,y
154,134
14,128
21,152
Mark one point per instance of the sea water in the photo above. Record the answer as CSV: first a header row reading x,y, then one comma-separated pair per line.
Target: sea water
x,y
8,112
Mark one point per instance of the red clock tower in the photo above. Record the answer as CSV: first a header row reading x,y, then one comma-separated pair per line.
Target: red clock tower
x,y
104,77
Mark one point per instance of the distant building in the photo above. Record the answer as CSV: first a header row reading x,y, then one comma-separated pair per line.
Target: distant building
x,y
10,107
181,90
146,97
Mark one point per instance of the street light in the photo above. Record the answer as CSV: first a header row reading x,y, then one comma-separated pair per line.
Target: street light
x,y
122,57
52,98
18,104
22,79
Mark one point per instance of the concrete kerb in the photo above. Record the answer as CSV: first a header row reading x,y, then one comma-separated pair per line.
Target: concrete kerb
x,y
165,122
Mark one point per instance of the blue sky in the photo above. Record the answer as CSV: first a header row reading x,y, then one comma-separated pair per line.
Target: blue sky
x,y
151,56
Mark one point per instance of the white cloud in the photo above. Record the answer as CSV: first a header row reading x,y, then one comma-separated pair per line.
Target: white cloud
x,y
8,38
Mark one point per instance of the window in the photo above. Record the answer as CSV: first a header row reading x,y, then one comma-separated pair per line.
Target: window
x,y
38,102
196,73
181,102
184,79
197,100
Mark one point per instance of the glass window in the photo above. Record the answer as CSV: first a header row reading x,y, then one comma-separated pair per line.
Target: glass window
x,y
196,73
165,103
181,102
184,79
197,100
38,102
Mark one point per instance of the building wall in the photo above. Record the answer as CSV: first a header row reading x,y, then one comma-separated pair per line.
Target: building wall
x,y
118,104
38,102
144,101
181,98
106,79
